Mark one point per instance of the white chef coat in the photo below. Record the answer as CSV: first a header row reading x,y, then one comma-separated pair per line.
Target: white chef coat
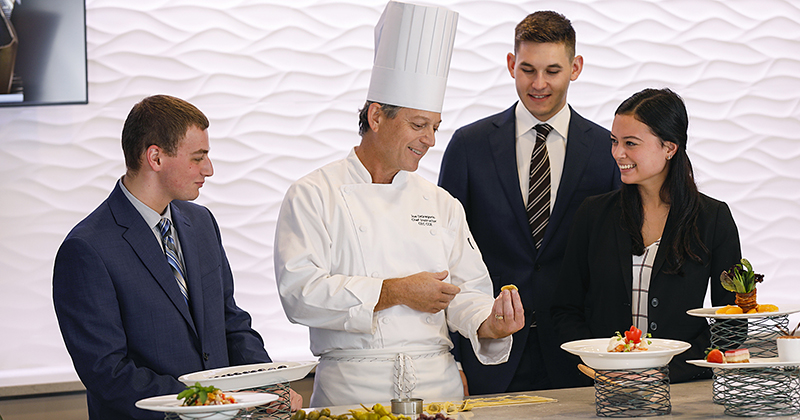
x,y
339,236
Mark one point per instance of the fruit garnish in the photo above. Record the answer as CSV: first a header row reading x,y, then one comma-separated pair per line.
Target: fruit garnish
x,y
740,278
633,335
714,356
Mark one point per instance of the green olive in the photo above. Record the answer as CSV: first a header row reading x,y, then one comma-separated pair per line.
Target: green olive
x,y
314,415
325,412
299,415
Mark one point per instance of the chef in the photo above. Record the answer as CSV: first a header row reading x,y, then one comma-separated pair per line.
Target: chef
x,y
379,262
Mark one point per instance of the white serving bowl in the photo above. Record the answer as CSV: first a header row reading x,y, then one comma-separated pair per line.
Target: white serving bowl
x,y
594,353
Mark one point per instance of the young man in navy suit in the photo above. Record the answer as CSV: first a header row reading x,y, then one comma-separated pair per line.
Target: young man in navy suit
x,y
131,322
487,166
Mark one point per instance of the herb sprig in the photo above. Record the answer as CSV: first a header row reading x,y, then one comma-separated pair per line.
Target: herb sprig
x,y
740,278
196,393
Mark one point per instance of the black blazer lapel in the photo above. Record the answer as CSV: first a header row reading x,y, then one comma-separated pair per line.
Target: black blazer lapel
x,y
141,238
189,244
579,150
504,151
623,243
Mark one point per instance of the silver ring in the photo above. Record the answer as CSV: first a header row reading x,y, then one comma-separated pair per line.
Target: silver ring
x,y
498,317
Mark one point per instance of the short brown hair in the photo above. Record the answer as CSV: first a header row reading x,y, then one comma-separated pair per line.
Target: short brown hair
x,y
159,120
363,122
546,26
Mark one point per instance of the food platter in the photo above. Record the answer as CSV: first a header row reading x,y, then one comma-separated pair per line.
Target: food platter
x,y
754,363
711,313
594,354
250,376
171,404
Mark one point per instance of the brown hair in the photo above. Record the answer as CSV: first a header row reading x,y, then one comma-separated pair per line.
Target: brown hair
x,y
159,120
363,122
546,26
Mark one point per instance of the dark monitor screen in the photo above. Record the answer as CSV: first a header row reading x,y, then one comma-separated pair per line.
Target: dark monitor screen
x,y
49,67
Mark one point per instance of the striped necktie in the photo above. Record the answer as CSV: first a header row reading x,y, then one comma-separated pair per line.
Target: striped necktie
x,y
538,207
173,258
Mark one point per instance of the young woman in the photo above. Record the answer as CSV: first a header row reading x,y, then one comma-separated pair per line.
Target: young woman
x,y
645,254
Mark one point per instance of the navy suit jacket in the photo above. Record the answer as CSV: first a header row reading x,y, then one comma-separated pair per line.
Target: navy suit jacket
x,y
479,168
593,298
123,318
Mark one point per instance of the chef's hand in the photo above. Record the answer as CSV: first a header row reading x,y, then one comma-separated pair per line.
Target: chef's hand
x,y
507,316
296,400
424,291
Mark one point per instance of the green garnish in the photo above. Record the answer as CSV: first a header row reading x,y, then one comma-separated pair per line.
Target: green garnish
x,y
740,278
195,393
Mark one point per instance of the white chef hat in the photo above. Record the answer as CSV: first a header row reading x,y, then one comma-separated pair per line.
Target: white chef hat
x,y
413,46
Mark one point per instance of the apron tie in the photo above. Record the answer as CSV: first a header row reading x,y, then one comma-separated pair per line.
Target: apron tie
x,y
405,376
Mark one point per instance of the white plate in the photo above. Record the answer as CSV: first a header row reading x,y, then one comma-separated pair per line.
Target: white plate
x,y
250,376
710,313
171,404
594,354
755,362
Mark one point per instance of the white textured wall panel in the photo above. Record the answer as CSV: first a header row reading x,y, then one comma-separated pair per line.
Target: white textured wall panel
x,y
281,82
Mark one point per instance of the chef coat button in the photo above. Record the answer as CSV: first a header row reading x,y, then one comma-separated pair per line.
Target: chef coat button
x,y
433,232
426,197
429,319
362,228
654,302
385,320
205,356
653,326
347,190
375,274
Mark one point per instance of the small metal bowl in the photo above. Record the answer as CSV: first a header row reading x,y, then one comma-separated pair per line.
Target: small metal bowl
x,y
407,406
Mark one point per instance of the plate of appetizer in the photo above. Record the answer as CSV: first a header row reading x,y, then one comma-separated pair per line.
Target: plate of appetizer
x,y
208,402
631,351
754,362
723,312
250,376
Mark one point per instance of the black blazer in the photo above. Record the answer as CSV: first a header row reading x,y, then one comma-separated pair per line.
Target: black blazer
x,y
479,168
593,298
124,321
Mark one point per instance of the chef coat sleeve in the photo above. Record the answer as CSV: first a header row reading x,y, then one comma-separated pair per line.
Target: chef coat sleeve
x,y
474,303
310,293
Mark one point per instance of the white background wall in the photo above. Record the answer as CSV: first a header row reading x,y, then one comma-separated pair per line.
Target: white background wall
x,y
281,82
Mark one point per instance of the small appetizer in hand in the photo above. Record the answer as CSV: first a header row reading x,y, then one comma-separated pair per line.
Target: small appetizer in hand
x,y
509,287
204,395
631,342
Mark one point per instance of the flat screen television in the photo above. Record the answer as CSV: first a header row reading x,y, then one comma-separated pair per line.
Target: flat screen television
x,y
49,64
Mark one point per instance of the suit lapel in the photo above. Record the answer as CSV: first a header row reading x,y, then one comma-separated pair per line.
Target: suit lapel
x,y
663,247
144,243
189,241
623,243
579,150
504,151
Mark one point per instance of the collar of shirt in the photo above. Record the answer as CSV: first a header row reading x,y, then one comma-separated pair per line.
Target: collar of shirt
x,y
556,147
361,173
150,216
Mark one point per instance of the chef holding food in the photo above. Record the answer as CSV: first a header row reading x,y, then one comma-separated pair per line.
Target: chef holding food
x,y
379,262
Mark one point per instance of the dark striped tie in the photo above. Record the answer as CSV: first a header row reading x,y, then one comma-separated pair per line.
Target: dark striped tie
x,y
538,207
173,259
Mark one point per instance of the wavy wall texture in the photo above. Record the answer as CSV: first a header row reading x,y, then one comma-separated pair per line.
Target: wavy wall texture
x,y
281,82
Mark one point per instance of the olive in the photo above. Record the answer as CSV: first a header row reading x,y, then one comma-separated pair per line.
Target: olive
x,y
325,412
299,415
314,415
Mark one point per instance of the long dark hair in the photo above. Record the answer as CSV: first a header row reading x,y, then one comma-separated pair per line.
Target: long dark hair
x,y
663,111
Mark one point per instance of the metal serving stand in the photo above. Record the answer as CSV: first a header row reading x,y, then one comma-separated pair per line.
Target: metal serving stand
x,y
632,392
752,391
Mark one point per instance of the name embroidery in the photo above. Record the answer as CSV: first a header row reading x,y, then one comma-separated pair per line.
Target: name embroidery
x,y
423,219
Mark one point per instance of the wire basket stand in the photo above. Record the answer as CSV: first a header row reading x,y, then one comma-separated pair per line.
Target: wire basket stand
x,y
758,335
278,409
632,392
767,391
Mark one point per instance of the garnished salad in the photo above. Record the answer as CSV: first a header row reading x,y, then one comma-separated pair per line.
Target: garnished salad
x,y
632,341
204,395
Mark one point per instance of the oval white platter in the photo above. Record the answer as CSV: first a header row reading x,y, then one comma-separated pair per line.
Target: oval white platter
x,y
711,313
250,376
593,353
171,403
754,363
